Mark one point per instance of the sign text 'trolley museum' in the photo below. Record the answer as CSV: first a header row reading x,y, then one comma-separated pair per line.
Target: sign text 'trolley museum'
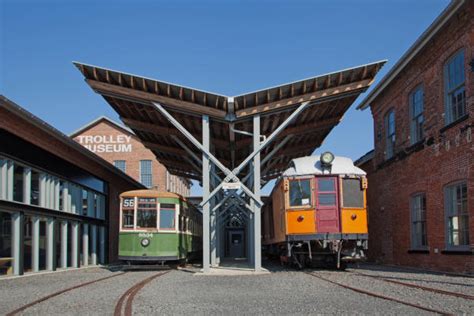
x,y
107,143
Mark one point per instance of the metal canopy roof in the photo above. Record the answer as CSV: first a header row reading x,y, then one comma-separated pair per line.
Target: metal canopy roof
x,y
330,95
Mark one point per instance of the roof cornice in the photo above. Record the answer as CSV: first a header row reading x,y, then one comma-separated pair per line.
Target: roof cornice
x,y
412,52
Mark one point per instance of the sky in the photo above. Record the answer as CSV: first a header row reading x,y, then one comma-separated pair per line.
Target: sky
x,y
227,47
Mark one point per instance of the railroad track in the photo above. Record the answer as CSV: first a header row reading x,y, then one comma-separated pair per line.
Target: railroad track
x,y
47,297
421,287
377,295
125,303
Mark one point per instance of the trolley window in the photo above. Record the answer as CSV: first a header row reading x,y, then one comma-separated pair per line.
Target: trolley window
x,y
352,193
146,213
128,205
167,218
300,192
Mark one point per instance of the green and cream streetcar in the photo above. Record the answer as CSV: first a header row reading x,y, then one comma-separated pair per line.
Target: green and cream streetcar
x,y
158,227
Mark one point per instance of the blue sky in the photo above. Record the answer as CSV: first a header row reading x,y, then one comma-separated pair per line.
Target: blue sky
x,y
227,47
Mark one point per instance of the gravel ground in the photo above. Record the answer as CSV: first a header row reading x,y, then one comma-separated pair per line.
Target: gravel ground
x,y
17,292
440,281
97,299
276,293
280,292
449,304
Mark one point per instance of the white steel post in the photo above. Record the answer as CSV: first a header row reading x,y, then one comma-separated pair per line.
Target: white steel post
x,y
3,179
27,185
50,245
85,245
35,220
10,183
256,190
64,242
205,193
17,242
75,244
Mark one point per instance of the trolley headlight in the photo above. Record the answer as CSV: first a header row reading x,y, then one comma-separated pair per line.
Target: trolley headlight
x,y
327,158
145,242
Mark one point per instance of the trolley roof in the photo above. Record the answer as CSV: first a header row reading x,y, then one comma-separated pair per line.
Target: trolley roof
x,y
132,96
151,194
312,165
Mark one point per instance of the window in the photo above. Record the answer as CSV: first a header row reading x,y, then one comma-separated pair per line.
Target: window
x,y
84,202
300,192
326,188
18,183
418,221
416,115
128,206
34,193
454,83
457,217
120,164
146,213
145,173
390,134
167,218
352,193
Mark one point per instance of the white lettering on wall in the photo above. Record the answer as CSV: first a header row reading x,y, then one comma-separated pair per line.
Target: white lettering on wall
x,y
106,143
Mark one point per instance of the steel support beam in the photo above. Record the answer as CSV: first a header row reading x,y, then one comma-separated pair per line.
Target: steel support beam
x,y
102,245
256,190
205,194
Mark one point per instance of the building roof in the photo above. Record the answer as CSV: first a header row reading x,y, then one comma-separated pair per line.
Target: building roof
x,y
97,121
329,95
412,52
365,158
55,133
312,165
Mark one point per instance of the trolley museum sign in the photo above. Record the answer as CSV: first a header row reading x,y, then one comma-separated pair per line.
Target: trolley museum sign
x,y
107,143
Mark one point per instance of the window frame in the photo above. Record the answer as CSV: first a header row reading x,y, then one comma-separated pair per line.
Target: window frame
x,y
414,120
135,224
448,215
448,91
416,241
311,195
392,136
124,170
176,220
341,190
150,174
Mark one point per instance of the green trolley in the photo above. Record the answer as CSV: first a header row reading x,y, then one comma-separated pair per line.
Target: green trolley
x,y
158,227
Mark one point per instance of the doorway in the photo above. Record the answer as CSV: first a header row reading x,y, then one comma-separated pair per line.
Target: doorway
x,y
236,243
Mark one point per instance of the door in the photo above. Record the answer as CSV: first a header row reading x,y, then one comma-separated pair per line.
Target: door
x,y
327,208
236,244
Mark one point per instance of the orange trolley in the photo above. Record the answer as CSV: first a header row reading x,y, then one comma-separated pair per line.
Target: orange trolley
x,y
317,214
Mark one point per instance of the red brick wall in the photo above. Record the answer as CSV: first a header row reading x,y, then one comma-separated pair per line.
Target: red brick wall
x,y
21,127
446,157
138,152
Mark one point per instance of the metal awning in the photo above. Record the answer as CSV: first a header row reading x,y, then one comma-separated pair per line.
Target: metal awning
x,y
231,126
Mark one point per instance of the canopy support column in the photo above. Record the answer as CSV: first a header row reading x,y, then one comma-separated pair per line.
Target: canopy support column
x,y
256,190
205,195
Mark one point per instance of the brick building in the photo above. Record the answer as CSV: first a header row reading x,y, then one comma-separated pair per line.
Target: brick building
x,y
59,203
118,145
421,172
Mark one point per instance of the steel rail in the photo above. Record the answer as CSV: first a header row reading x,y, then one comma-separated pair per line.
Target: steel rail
x,y
47,297
388,298
421,287
130,294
